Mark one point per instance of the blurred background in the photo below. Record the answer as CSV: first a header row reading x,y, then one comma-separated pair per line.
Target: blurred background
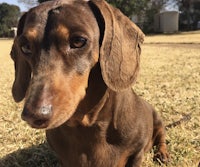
x,y
152,16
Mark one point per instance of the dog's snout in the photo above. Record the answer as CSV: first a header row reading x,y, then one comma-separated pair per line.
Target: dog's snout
x,y
37,117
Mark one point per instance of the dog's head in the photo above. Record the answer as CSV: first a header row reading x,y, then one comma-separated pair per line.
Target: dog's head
x,y
57,45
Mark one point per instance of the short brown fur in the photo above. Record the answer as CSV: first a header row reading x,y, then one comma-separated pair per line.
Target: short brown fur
x,y
76,73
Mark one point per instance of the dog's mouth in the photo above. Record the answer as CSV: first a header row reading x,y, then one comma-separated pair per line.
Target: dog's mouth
x,y
40,124
37,123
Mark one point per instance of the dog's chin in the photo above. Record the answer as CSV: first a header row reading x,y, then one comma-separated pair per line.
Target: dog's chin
x,y
54,125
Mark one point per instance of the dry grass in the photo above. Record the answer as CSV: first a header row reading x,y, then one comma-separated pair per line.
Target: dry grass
x,y
169,79
183,38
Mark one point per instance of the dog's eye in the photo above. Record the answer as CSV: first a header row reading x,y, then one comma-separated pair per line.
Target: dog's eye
x,y
26,49
77,42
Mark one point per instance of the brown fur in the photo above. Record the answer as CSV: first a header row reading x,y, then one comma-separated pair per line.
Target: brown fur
x,y
80,90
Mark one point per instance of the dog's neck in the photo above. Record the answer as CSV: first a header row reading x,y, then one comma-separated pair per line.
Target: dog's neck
x,y
96,96
96,106
93,115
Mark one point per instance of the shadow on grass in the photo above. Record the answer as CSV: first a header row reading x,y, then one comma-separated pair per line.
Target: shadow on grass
x,y
35,156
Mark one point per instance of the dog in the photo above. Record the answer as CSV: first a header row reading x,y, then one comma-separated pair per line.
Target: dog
x,y
75,65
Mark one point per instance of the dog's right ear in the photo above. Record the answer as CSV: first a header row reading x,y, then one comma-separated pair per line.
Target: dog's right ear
x,y
22,68
120,50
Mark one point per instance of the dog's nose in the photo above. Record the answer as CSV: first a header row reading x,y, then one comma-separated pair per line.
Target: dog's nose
x,y
46,111
37,117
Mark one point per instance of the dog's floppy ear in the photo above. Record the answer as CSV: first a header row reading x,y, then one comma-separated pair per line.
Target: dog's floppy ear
x,y
120,50
22,68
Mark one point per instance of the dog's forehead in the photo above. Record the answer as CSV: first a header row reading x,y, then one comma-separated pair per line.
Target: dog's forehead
x,y
45,7
37,17
79,13
40,12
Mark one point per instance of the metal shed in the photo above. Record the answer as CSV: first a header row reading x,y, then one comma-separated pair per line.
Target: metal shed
x,y
166,22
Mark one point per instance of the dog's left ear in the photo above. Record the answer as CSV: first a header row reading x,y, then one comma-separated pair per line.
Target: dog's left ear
x,y
22,68
120,46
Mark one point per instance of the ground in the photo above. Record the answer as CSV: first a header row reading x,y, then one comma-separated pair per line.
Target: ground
x,y
169,79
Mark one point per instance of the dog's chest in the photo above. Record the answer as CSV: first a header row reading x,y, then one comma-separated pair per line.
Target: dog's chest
x,y
98,146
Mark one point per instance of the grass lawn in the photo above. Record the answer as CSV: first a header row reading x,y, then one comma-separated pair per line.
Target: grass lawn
x,y
169,79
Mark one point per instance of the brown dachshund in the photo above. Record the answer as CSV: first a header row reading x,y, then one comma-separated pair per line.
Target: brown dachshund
x,y
75,64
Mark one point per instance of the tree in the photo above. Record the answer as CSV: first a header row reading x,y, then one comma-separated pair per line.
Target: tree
x,y
28,3
189,13
184,7
154,7
31,3
143,9
130,7
9,15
